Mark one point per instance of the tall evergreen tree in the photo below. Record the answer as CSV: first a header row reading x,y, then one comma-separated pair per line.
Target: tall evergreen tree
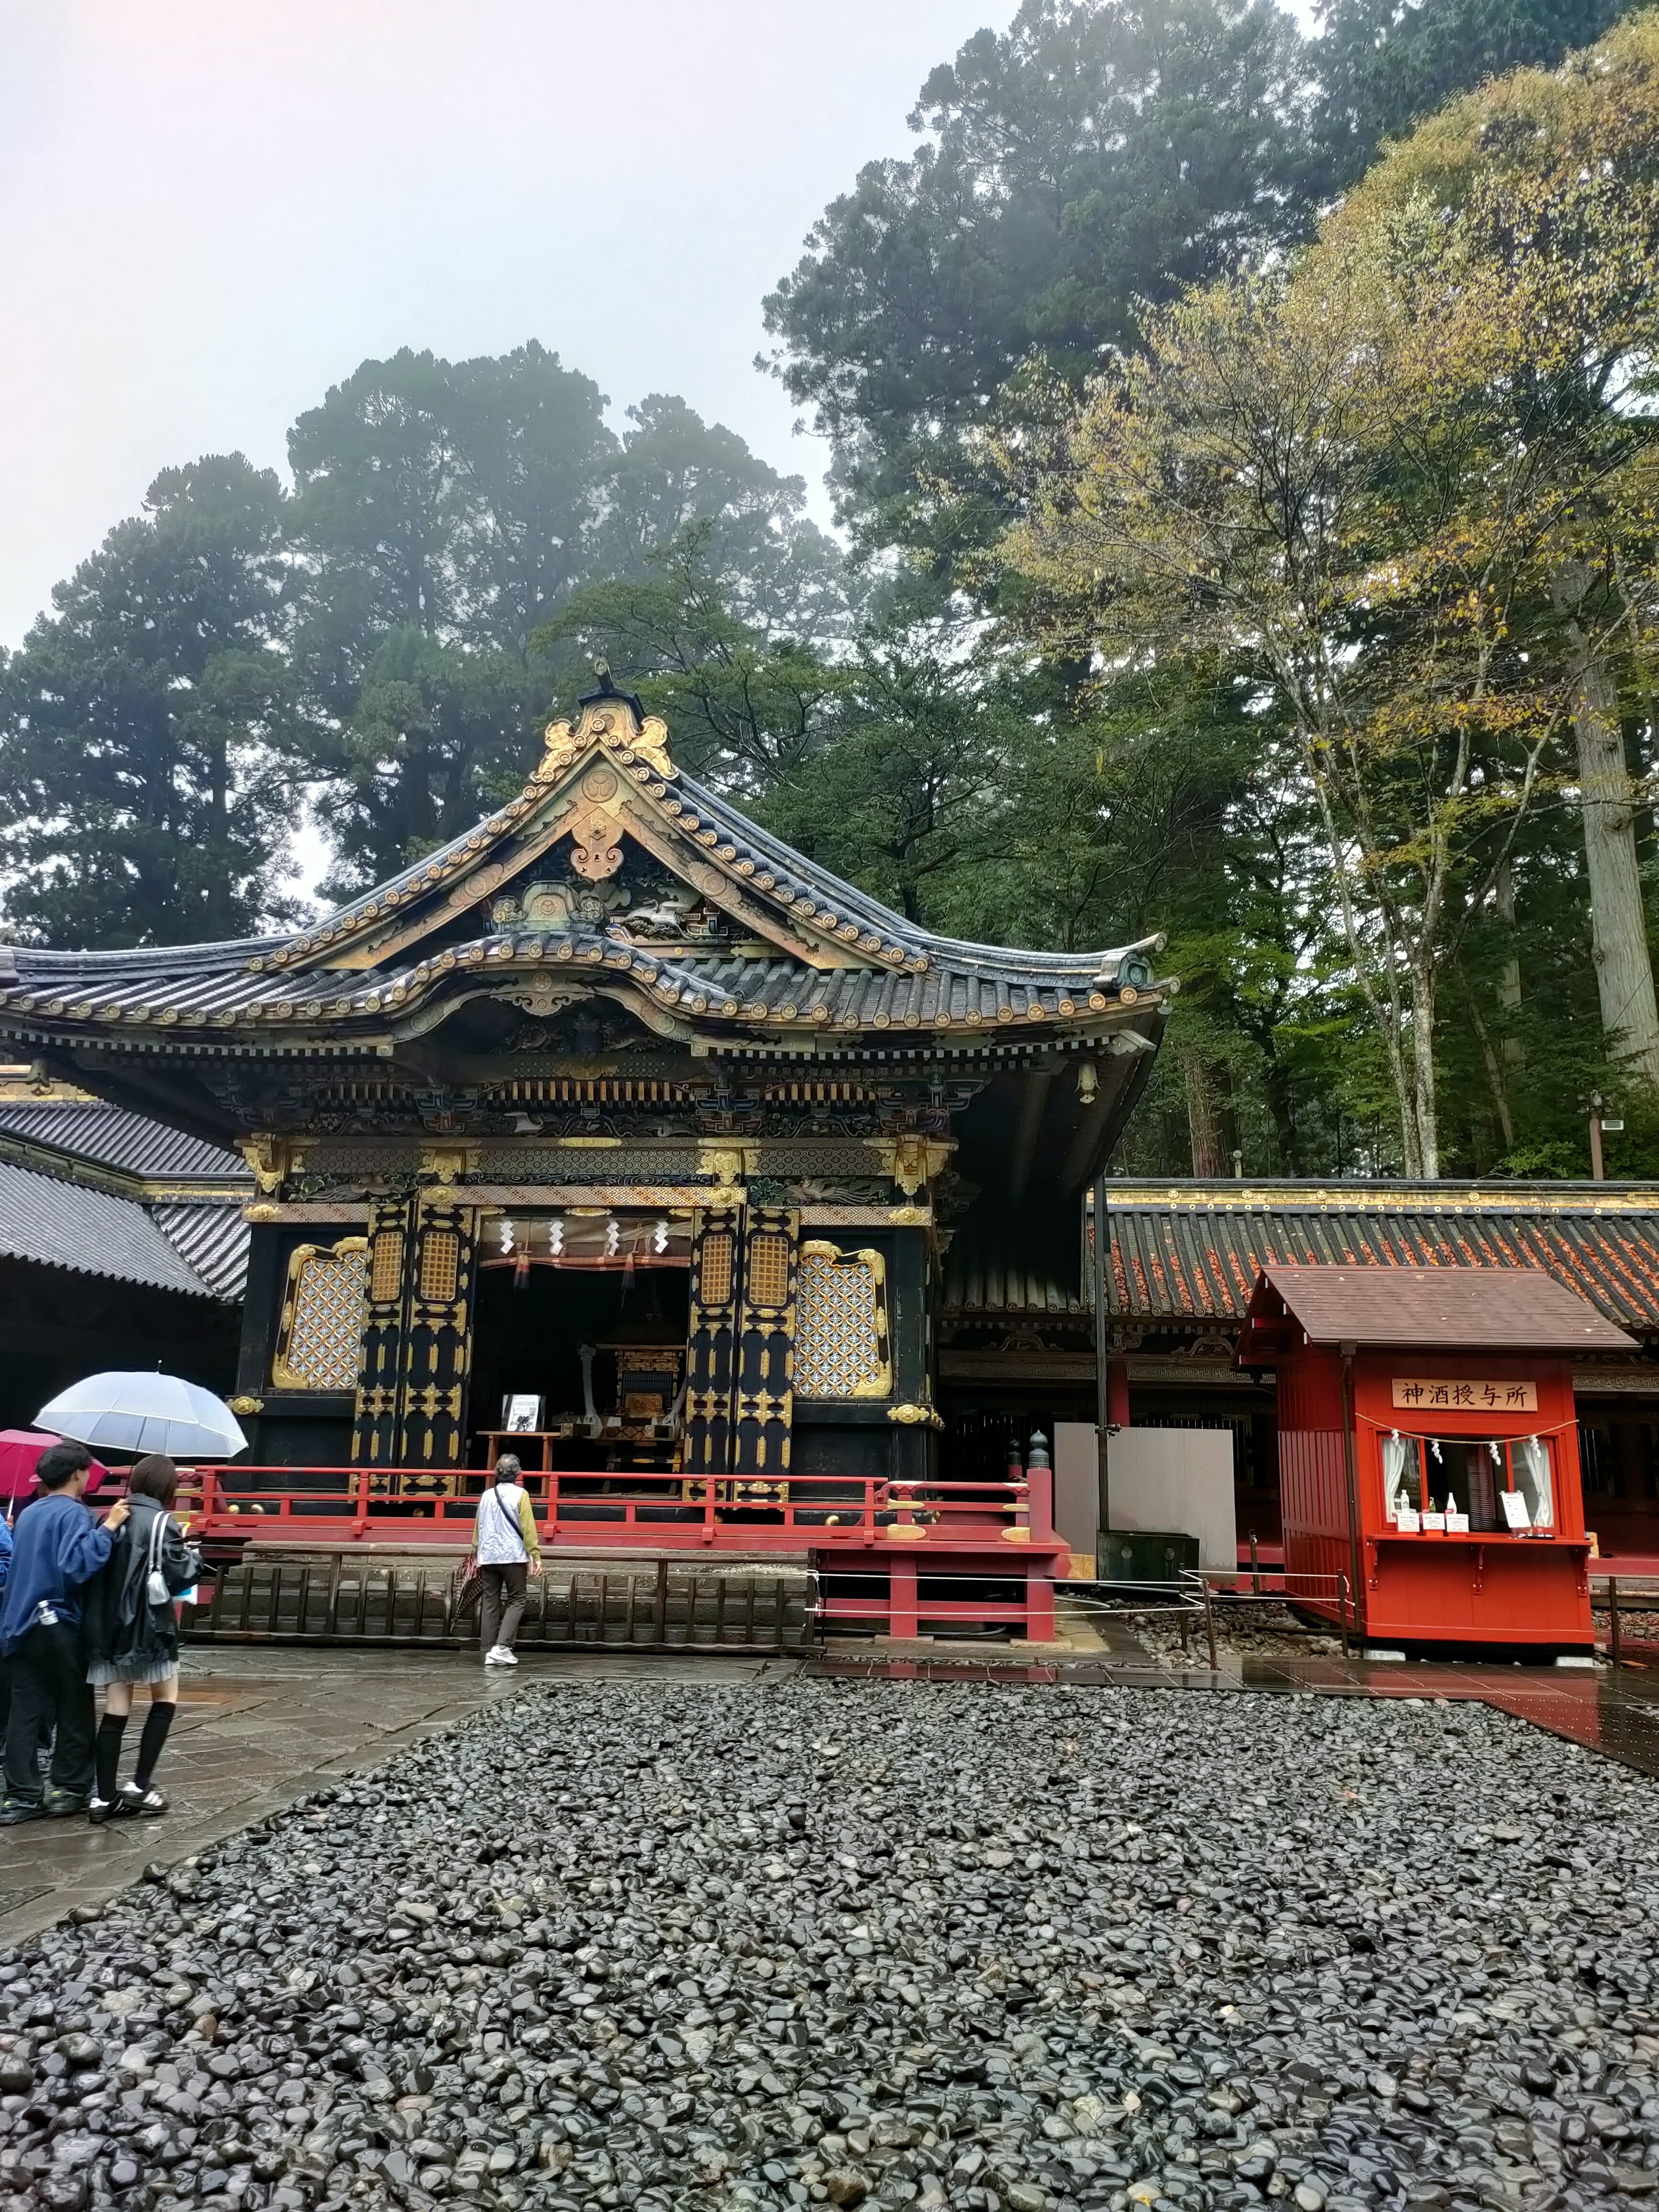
x,y
1098,154
142,801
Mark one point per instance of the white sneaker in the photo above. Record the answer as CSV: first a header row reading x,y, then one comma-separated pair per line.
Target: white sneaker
x,y
493,1656
503,1657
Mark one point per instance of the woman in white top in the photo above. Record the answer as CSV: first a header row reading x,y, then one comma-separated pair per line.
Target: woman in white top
x,y
507,1550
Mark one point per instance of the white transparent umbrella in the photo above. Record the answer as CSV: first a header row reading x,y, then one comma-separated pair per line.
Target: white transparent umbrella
x,y
145,1413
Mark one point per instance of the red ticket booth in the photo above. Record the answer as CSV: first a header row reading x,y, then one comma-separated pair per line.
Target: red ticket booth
x,y
1428,1448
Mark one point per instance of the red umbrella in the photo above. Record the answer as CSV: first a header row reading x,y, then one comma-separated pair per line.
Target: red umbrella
x,y
19,1450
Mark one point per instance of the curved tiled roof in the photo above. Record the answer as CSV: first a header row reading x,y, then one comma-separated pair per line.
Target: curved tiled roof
x,y
213,1241
838,960
1191,1255
90,1233
90,1129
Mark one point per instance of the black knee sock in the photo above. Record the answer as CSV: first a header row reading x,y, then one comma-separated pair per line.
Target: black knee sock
x,y
106,1753
157,1720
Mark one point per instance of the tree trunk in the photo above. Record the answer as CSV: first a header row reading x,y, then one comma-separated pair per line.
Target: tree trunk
x,y
1500,1096
1281,1106
1514,1054
1203,1116
1618,928
1422,1107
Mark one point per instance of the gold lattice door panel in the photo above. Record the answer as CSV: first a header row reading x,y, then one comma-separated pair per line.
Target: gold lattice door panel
x,y
386,1274
765,1410
319,1339
842,1344
385,1309
438,1336
706,1444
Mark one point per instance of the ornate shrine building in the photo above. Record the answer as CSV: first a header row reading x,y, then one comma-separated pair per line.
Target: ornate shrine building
x,y
615,1125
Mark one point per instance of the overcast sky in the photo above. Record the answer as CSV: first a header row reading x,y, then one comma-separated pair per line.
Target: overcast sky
x,y
213,209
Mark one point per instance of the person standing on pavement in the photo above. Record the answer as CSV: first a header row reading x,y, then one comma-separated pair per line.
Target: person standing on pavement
x,y
508,1551
58,1549
5,1663
132,1635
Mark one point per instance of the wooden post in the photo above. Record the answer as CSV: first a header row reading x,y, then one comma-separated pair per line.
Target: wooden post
x,y
1351,1474
903,1618
1102,1380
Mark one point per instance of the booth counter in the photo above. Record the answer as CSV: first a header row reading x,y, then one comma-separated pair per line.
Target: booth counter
x,y
1429,1448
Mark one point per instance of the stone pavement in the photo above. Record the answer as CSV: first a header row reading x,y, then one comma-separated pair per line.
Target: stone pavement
x,y
258,1728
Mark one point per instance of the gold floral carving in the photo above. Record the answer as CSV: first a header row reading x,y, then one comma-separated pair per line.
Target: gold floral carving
x,y
243,1404
596,851
727,1164
910,1417
448,1163
911,1161
273,1159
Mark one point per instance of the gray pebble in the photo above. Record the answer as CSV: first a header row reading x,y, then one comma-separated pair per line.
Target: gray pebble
x,y
972,1949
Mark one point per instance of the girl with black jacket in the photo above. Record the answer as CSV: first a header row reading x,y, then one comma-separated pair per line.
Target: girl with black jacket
x,y
132,1635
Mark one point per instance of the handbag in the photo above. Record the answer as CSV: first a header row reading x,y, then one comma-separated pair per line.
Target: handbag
x,y
156,1584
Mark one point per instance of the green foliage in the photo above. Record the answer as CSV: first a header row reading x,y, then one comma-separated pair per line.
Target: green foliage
x,y
1384,65
450,499
145,723
1092,156
436,736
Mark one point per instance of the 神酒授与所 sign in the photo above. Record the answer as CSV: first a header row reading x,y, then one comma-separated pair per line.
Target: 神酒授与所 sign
x,y
1415,1395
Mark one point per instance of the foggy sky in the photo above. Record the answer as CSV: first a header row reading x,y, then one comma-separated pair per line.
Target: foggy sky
x,y
213,209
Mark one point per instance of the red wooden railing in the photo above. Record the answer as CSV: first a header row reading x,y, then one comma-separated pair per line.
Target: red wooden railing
x,y
646,1510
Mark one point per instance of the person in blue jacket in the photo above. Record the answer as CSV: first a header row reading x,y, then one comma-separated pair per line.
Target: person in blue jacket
x,y
57,1549
5,1663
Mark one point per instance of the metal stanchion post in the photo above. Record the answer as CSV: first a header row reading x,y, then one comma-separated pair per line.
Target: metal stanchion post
x,y
1342,1610
1209,1624
1255,1568
1613,1606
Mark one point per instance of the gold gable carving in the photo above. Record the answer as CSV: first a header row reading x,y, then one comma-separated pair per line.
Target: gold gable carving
x,y
609,722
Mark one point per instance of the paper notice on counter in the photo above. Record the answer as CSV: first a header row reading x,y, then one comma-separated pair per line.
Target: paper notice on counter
x,y
1516,1514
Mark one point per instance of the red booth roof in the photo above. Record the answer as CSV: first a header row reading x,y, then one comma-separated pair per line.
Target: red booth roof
x,y
1423,1310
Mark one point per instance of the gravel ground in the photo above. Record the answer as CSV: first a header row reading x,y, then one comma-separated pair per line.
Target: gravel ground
x,y
1001,1949
1249,1631
1639,1625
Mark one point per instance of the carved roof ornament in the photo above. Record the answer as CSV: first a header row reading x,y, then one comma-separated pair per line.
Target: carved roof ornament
x,y
624,877
607,717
